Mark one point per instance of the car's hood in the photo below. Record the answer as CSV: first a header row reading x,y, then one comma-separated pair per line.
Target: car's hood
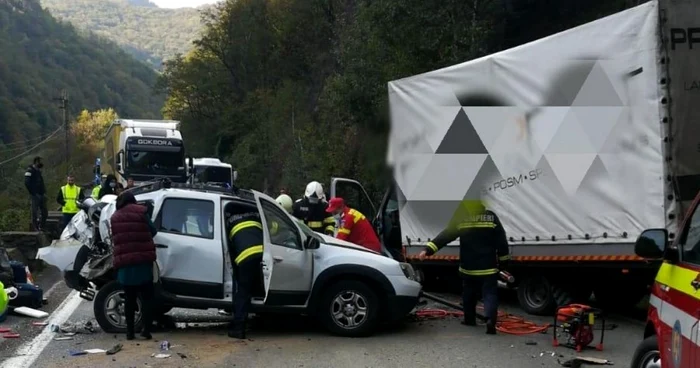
x,y
329,240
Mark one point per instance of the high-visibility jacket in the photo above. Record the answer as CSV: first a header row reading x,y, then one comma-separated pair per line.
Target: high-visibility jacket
x,y
245,237
96,191
355,228
483,246
70,194
314,215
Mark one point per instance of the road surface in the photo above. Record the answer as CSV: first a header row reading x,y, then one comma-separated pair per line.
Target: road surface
x,y
199,340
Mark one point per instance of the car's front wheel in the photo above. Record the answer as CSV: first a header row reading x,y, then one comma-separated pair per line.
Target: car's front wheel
x,y
109,309
647,354
350,308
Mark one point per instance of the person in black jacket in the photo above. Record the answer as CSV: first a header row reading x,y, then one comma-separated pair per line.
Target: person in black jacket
x,y
34,182
109,187
483,248
245,245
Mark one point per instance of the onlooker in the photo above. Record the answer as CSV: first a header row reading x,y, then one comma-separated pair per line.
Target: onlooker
x,y
108,187
68,197
34,182
129,182
134,254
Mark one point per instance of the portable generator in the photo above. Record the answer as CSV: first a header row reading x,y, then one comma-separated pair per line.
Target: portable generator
x,y
576,323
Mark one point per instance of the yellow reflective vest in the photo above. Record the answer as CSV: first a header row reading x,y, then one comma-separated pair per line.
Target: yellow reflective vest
x,y
70,196
96,192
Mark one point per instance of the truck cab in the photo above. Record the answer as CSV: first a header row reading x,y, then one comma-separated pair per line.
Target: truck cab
x,y
212,171
672,333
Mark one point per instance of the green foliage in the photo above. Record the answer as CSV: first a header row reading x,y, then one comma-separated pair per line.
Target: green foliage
x,y
40,57
149,33
296,89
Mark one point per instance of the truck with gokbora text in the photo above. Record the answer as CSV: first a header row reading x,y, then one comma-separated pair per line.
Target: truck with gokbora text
x,y
144,150
578,142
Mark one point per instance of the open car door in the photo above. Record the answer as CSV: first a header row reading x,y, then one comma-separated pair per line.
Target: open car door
x,y
354,195
287,266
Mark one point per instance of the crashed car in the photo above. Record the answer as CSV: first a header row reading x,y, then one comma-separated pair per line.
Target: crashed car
x,y
348,288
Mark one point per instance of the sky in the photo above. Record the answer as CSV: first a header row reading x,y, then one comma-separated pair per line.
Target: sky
x,y
182,3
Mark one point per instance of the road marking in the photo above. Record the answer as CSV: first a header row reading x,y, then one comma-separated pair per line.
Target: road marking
x,y
28,353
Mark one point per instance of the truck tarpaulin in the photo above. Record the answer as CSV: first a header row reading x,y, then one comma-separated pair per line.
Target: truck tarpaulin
x,y
561,137
681,27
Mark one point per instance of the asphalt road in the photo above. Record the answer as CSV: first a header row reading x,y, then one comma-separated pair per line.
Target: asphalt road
x,y
199,340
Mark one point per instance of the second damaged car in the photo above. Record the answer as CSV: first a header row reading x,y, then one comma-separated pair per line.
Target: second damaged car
x,y
348,288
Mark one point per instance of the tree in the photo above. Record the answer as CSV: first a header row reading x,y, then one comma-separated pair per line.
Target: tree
x,y
90,127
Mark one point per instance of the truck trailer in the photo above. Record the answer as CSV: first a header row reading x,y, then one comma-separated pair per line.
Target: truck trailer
x,y
144,150
578,142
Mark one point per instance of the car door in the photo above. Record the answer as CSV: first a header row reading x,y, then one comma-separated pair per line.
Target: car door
x,y
680,310
188,247
287,266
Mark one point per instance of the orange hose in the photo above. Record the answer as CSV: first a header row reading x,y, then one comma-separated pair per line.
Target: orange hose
x,y
505,323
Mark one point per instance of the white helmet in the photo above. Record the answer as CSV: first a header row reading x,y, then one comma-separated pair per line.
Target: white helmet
x,y
314,192
286,202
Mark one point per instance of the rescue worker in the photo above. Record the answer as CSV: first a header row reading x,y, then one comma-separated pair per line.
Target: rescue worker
x,y
312,209
34,182
68,197
483,248
286,202
96,190
246,249
353,226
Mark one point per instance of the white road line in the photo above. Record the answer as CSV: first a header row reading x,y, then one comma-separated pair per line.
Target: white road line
x,y
26,354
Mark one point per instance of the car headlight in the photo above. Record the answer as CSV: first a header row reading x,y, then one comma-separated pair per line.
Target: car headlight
x,y
408,271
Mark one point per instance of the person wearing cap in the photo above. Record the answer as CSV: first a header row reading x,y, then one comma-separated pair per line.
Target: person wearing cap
x,y
353,226
483,249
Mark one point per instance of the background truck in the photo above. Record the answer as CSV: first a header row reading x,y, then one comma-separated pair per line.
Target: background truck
x,y
213,171
144,150
578,142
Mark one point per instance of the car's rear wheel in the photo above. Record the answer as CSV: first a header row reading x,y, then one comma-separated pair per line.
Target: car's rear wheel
x,y
350,308
109,309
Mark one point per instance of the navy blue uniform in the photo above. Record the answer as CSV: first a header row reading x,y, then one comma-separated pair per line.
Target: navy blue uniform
x,y
314,215
483,250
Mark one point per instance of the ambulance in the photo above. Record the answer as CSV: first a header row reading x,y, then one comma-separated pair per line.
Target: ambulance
x,y
672,333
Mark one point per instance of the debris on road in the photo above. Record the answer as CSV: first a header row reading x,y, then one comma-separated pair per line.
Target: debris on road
x,y
41,324
115,349
181,355
578,362
4,329
10,335
165,345
160,356
63,338
76,352
95,351
74,328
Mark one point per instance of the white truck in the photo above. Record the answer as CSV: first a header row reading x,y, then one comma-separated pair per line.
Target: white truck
x,y
209,170
578,142
144,150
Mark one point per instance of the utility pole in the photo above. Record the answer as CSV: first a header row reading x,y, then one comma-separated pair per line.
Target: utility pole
x,y
64,107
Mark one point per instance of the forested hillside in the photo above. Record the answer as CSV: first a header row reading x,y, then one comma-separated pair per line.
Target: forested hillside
x,y
296,90
149,33
40,57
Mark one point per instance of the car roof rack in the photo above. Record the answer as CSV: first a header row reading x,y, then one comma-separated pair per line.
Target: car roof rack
x,y
165,183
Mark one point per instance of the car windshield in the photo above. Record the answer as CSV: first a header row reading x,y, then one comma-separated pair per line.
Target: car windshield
x,y
155,163
213,174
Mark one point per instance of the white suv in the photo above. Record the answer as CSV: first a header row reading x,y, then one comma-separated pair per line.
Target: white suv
x,y
350,289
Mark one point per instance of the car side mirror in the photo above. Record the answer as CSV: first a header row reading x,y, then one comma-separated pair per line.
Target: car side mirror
x,y
653,244
120,161
312,243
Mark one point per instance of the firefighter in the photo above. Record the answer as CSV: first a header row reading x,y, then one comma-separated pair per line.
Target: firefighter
x,y
353,226
286,202
246,250
483,249
68,197
312,209
34,182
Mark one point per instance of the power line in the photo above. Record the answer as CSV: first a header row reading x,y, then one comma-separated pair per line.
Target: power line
x,y
26,141
33,147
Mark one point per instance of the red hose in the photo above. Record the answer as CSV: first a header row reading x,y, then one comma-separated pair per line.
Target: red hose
x,y
505,323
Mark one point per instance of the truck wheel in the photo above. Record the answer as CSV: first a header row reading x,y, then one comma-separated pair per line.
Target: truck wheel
x,y
535,296
109,309
350,308
647,354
